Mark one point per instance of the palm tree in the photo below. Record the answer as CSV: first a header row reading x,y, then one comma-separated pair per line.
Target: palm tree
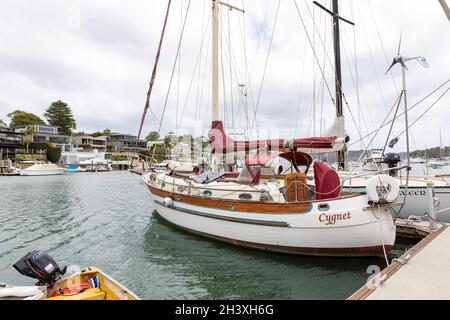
x,y
29,132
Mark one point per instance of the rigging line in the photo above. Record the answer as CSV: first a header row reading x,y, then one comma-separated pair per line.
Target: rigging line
x,y
200,70
236,74
385,56
373,138
410,108
314,52
231,69
314,78
224,93
354,81
324,47
300,96
206,74
260,38
203,76
250,75
178,124
377,77
322,98
382,46
267,62
173,71
426,111
335,75
179,69
246,69
358,98
155,67
392,123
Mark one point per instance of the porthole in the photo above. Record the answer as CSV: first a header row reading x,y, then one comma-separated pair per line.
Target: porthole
x,y
324,207
207,193
245,196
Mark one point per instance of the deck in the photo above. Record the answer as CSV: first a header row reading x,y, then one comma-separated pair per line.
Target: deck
x,y
421,273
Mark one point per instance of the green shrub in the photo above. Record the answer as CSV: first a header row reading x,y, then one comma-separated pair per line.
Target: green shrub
x,y
53,153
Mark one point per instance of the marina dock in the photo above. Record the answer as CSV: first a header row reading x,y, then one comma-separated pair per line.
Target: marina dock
x,y
420,273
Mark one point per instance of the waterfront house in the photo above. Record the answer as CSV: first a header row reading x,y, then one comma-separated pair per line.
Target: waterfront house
x,y
79,157
88,142
10,141
45,133
119,142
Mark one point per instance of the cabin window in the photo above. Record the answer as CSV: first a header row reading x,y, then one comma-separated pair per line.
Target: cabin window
x,y
245,196
207,193
324,207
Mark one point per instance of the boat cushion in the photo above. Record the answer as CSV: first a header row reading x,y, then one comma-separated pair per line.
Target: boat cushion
x,y
22,292
328,184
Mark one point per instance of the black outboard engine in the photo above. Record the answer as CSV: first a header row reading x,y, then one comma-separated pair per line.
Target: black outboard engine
x,y
392,159
39,265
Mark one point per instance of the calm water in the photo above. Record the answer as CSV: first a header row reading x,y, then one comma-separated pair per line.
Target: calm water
x,y
106,220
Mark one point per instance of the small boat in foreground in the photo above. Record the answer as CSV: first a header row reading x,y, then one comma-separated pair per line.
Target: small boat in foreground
x,y
42,169
88,284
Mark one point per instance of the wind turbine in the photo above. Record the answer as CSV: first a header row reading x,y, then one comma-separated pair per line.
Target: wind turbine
x,y
400,59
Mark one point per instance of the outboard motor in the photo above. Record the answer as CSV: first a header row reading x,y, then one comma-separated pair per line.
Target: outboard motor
x,y
392,159
39,265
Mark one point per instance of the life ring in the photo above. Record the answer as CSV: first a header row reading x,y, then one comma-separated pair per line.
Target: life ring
x,y
382,187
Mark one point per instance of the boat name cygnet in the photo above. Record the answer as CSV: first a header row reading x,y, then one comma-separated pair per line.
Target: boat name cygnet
x,y
331,219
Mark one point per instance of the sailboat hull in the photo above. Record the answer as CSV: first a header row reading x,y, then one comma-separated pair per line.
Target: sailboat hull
x,y
417,201
362,234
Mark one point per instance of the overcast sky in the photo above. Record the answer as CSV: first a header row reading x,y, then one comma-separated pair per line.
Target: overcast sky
x,y
98,57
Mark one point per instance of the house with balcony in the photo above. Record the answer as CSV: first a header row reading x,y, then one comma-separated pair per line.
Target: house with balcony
x,y
45,133
89,142
118,142
10,142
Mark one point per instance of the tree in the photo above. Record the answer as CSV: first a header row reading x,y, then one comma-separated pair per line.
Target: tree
x,y
152,136
3,123
97,134
60,115
29,133
105,132
22,118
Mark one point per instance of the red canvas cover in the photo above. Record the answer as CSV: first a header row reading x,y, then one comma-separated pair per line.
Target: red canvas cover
x,y
328,184
223,144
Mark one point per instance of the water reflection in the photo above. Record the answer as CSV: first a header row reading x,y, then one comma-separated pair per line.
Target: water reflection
x,y
106,220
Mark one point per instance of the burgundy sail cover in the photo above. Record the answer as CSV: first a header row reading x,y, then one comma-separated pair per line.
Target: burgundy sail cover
x,y
223,144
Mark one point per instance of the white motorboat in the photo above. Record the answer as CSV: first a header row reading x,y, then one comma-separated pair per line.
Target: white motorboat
x,y
373,160
42,169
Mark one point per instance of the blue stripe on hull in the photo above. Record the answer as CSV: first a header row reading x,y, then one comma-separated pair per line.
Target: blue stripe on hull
x,y
230,219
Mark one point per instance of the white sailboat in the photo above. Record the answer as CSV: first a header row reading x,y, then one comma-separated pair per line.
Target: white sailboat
x,y
261,209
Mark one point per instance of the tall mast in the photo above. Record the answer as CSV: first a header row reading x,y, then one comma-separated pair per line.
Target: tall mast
x,y
215,60
342,154
342,163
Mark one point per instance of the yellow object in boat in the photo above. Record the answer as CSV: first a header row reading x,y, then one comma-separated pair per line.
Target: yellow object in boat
x,y
89,284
